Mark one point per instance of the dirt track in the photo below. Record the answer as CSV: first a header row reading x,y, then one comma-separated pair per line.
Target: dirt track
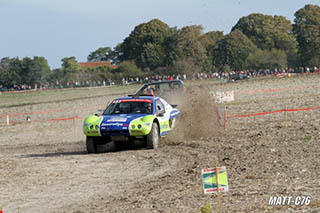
x,y
44,166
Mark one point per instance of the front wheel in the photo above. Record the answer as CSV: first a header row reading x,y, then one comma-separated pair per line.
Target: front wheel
x,y
153,137
92,145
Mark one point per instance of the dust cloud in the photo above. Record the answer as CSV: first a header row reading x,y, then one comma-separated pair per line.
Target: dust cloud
x,y
198,118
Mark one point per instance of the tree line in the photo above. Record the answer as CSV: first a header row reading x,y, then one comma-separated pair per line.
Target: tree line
x,y
256,41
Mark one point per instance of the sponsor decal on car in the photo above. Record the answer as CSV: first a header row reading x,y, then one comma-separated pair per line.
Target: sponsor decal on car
x,y
164,126
112,124
117,119
174,113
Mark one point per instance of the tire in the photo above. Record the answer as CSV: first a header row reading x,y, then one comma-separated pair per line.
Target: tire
x,y
153,138
92,145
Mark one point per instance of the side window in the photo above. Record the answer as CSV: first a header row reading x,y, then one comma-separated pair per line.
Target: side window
x,y
159,107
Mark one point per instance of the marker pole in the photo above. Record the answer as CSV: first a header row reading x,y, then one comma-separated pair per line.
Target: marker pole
x,y
285,114
74,128
225,117
218,190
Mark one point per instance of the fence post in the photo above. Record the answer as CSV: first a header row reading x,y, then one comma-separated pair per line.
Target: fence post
x,y
285,114
74,128
225,117
286,119
8,121
218,189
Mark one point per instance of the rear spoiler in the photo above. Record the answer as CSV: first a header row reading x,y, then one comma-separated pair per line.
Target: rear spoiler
x,y
138,95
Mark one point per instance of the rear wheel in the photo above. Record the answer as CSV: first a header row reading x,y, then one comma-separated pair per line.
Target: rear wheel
x,y
92,145
153,137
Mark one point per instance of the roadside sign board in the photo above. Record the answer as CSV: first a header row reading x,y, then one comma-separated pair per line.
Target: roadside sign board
x,y
209,180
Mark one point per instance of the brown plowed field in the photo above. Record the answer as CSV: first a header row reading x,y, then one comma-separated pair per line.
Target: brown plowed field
x,y
44,166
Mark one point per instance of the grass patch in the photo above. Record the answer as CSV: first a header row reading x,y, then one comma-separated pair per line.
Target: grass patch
x,y
206,209
61,95
307,138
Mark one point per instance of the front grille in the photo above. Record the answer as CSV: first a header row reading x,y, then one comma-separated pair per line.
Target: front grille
x,y
115,132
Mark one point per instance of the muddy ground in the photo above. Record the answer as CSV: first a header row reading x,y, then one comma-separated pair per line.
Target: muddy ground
x,y
44,166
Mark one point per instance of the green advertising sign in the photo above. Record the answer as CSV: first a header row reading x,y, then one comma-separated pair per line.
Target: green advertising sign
x,y
209,180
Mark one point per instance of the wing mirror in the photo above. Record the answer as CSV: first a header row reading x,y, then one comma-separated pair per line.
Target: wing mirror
x,y
174,105
161,114
100,111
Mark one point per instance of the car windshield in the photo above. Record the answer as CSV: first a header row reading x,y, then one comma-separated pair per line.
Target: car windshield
x,y
127,106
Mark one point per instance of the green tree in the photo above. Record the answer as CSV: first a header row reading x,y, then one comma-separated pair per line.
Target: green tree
x,y
71,69
267,32
145,44
27,75
267,59
189,46
101,54
34,71
184,46
10,72
99,73
183,66
56,76
152,56
42,67
115,54
127,69
209,41
307,30
233,50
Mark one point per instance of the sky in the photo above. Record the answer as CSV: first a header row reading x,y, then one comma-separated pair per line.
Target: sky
x,y
56,29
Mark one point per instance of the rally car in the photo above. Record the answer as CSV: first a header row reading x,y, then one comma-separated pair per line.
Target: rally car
x,y
131,118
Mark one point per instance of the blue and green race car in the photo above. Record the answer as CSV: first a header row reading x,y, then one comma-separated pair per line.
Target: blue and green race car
x,y
131,118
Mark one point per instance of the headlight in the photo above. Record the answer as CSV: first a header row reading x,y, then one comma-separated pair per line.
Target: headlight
x,y
133,126
139,126
97,127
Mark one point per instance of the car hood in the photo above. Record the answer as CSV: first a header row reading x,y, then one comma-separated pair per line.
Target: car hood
x,y
119,122
121,118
